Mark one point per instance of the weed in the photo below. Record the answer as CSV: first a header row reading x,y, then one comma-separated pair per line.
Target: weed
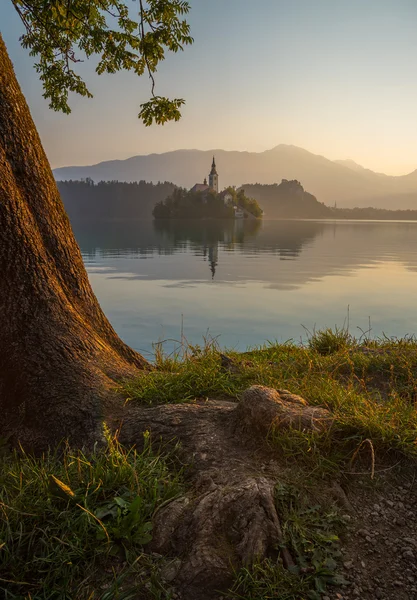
x,y
70,538
311,534
329,341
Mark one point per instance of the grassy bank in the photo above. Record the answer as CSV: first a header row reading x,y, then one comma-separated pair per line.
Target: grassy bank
x,y
77,527
370,388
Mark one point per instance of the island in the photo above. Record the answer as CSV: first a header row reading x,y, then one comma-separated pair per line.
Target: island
x,y
203,201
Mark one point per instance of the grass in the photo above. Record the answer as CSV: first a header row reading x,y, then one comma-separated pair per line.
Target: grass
x,y
311,533
370,388
76,527
329,341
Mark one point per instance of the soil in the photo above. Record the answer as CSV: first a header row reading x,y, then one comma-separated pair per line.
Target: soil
x,y
380,546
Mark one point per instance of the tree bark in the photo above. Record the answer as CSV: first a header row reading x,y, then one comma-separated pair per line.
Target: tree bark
x,y
59,355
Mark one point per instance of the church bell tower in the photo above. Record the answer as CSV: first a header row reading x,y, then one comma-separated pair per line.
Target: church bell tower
x,y
214,178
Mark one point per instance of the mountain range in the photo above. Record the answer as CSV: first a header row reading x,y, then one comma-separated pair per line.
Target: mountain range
x,y
343,182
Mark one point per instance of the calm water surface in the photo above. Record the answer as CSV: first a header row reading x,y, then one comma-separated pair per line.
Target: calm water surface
x,y
247,283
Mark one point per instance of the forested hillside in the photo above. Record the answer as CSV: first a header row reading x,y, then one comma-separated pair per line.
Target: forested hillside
x,y
288,200
106,200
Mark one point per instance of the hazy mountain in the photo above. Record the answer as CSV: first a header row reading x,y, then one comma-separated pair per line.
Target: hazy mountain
x,y
350,164
343,182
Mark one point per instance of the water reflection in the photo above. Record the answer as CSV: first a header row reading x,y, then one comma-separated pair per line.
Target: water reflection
x,y
250,282
146,239
205,238
235,251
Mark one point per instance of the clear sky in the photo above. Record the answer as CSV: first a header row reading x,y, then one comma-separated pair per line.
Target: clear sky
x,y
337,77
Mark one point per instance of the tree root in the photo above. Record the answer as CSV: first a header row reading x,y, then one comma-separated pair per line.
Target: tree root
x,y
228,518
221,529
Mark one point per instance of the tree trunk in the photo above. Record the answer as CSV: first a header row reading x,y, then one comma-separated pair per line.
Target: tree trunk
x,y
59,355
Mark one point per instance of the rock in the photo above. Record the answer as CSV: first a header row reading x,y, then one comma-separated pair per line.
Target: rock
x,y
364,533
170,571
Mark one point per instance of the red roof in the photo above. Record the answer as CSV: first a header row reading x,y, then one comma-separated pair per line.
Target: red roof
x,y
199,187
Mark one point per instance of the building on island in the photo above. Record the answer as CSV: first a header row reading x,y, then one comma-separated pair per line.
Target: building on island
x,y
213,186
214,178
213,183
227,198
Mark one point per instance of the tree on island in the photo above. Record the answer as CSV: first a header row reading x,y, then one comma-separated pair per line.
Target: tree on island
x,y
60,358
244,201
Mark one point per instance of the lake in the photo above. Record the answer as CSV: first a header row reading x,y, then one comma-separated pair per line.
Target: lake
x,y
245,284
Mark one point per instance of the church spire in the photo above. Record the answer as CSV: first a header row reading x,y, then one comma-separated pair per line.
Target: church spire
x,y
213,177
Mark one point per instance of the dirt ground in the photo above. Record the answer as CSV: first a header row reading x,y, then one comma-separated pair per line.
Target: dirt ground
x,y
380,545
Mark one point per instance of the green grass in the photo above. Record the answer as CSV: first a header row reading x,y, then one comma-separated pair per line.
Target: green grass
x,y
370,388
328,341
76,527
311,534
83,535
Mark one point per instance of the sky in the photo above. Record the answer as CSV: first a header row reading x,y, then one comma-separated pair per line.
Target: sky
x,y
336,77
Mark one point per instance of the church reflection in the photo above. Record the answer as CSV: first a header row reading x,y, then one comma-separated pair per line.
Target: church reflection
x,y
213,258
205,239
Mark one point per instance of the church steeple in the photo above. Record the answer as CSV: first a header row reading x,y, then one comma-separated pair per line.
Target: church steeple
x,y
213,177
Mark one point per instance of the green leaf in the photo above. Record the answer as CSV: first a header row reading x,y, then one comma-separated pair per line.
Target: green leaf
x,y
320,585
339,580
142,538
109,510
121,502
62,34
330,564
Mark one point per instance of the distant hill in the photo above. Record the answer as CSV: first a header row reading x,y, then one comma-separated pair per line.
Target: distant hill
x,y
343,182
288,200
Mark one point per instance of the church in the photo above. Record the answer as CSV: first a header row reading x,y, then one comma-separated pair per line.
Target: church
x,y
213,183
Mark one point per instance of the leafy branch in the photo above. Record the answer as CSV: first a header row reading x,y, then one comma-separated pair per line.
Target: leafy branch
x,y
62,33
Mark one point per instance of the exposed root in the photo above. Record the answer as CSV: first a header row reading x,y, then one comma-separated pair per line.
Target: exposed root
x,y
262,408
229,518
221,529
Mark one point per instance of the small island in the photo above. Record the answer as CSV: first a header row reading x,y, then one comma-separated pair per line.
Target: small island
x,y
203,201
